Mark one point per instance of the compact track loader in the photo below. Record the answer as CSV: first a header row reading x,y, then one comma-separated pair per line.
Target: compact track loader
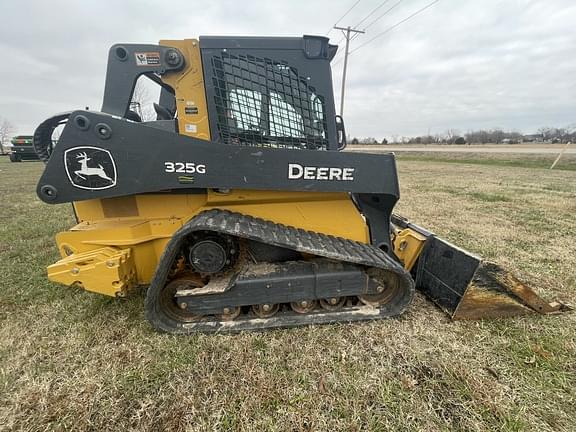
x,y
236,206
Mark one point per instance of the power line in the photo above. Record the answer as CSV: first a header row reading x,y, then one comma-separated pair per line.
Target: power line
x,y
387,30
355,35
343,38
396,25
383,15
371,13
339,50
340,19
377,19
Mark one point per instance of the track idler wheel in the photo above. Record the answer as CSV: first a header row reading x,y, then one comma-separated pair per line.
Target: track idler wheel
x,y
168,300
388,289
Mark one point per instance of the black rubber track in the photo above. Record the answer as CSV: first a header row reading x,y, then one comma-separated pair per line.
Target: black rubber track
x,y
42,140
264,231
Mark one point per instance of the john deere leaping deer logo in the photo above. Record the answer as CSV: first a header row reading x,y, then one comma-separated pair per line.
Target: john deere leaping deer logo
x,y
90,168
86,171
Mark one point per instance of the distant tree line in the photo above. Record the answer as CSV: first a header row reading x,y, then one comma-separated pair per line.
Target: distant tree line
x,y
481,136
562,135
369,141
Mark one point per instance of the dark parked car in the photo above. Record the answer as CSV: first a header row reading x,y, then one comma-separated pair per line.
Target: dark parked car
x,y
22,149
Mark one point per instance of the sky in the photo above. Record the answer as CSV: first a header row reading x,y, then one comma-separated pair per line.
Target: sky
x,y
460,64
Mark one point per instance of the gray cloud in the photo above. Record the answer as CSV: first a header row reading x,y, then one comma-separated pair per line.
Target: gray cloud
x,y
459,64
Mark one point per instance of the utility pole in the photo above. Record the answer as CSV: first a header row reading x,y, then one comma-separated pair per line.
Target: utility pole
x,y
346,31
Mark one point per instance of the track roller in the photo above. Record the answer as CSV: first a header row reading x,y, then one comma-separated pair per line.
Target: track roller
x,y
303,306
332,303
265,310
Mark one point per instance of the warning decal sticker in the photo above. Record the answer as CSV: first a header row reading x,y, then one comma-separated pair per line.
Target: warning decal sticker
x,y
191,128
147,58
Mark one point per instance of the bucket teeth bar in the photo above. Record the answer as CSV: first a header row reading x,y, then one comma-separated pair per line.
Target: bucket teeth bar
x,y
467,287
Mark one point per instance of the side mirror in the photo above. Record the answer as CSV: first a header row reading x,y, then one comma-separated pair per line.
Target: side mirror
x,y
340,133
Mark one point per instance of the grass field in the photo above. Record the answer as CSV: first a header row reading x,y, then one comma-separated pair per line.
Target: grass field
x,y
544,161
71,360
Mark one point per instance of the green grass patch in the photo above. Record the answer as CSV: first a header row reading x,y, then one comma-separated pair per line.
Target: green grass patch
x,y
489,197
567,163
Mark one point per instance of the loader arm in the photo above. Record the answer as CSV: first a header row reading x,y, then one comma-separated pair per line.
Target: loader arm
x,y
144,159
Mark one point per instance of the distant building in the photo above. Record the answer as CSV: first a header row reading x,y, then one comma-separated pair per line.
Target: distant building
x,y
532,138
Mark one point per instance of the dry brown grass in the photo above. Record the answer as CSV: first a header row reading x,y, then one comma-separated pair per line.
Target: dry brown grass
x,y
74,360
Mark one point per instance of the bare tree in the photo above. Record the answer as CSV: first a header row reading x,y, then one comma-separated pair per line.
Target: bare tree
x,y
498,135
451,135
6,129
571,132
368,140
546,133
562,135
429,139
